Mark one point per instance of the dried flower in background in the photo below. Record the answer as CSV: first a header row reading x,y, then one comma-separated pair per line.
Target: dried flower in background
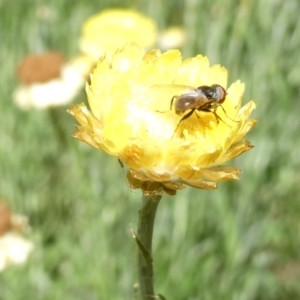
x,y
14,249
48,80
5,218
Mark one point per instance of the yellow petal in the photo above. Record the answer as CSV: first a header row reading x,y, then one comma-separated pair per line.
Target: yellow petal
x,y
234,151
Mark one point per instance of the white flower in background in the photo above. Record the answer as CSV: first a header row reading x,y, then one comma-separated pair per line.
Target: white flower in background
x,y
171,38
48,80
14,249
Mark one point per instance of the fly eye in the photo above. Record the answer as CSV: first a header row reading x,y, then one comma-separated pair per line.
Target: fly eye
x,y
220,93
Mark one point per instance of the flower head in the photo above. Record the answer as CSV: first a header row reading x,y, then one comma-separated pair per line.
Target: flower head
x,y
48,80
171,38
112,28
14,249
5,218
130,95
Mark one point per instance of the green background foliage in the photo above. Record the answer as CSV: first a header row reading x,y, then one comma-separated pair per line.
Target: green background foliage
x,y
239,242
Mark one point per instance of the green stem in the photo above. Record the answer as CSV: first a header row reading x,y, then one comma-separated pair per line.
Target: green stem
x,y
58,128
144,241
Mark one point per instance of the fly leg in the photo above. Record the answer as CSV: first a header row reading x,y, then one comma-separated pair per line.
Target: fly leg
x,y
213,111
172,101
171,105
184,118
227,115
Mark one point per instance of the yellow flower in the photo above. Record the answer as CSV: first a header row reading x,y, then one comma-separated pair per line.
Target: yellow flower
x,y
112,28
130,95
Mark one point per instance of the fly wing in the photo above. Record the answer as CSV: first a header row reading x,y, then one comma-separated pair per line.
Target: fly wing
x,y
190,100
168,92
173,86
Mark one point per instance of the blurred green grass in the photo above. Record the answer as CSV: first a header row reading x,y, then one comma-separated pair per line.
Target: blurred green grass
x,y
239,242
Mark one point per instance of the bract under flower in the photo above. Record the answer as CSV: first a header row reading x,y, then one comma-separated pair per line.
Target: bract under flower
x,y
103,33
130,96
